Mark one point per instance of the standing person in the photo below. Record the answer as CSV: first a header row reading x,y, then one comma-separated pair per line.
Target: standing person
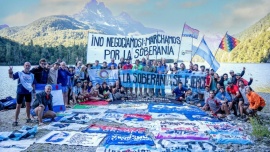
x,y
160,70
53,74
25,87
202,67
143,62
104,65
149,68
40,72
122,61
233,75
213,83
207,78
128,66
43,106
70,83
96,65
112,63
63,74
182,68
83,73
225,80
137,67
256,102
78,67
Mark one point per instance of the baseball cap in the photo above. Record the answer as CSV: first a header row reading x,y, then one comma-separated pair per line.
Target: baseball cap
x,y
229,82
231,71
238,74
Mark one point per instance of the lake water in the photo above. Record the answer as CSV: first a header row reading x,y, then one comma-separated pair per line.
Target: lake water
x,y
259,72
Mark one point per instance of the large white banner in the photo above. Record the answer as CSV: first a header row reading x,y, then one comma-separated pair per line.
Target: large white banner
x,y
105,47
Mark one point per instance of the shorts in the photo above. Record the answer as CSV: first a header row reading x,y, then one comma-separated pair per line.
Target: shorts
x,y
220,111
33,113
27,97
236,99
64,89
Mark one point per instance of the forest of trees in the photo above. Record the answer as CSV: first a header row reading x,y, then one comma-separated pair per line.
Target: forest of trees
x,y
12,53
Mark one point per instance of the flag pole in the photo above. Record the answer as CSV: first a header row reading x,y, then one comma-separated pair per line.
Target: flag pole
x,y
220,43
157,46
180,42
191,49
197,48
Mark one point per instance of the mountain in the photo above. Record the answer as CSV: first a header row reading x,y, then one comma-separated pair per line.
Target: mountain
x,y
3,26
65,30
254,44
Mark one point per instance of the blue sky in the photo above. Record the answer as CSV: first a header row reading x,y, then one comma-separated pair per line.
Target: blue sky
x,y
208,16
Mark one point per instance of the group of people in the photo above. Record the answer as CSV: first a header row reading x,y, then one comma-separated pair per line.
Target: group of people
x,y
220,95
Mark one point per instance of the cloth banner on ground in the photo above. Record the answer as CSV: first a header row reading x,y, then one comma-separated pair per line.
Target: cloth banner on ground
x,y
172,145
111,129
181,134
182,125
151,125
105,47
130,148
168,116
222,126
72,138
63,126
58,102
137,78
137,117
79,118
230,138
175,108
97,103
103,75
129,139
118,117
132,106
15,146
202,118
128,111
23,133
77,106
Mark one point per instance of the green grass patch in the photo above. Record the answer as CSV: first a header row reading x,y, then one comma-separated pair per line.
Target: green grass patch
x,y
259,130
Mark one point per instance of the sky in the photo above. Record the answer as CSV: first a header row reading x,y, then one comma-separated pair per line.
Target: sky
x,y
208,16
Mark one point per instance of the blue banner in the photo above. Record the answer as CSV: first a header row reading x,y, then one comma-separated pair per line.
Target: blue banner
x,y
131,139
137,78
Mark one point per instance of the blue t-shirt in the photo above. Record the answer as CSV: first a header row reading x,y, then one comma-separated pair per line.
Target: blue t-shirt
x,y
161,69
114,64
179,92
223,96
96,66
20,88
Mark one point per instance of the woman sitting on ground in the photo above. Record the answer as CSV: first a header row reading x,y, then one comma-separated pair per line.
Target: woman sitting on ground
x,y
116,87
77,93
105,92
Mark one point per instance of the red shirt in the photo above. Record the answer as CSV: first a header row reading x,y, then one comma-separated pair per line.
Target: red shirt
x,y
233,89
207,80
127,66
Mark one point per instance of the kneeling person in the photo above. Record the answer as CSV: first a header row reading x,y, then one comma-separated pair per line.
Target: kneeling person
x,y
217,106
256,102
43,106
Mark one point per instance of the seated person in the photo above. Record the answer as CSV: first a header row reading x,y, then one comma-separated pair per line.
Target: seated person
x,y
205,94
105,93
191,97
94,95
77,92
217,107
120,94
43,106
256,102
224,96
179,92
116,87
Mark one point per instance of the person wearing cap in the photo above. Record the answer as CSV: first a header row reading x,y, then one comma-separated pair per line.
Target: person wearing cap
x,y
96,65
77,92
246,83
112,63
233,90
175,66
256,102
104,65
53,74
218,107
233,75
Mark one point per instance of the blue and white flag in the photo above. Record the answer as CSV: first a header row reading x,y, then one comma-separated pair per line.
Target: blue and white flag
x,y
204,52
58,101
103,75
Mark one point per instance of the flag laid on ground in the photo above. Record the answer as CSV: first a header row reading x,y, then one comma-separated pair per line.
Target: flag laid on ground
x,y
228,43
204,52
190,32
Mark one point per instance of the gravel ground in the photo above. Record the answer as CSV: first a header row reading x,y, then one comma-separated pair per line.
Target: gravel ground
x,y
7,117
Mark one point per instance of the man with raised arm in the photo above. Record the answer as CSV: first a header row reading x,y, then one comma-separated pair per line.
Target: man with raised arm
x,y
25,88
